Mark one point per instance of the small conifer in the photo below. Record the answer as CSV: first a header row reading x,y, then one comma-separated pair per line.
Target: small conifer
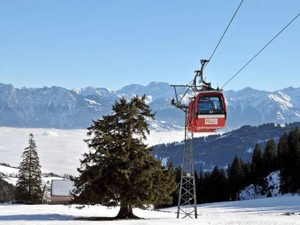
x,y
28,187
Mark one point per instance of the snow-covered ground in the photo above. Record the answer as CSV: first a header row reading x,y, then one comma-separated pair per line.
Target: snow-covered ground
x,y
59,150
283,210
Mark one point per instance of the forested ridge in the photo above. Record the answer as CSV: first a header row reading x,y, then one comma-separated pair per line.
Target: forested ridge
x,y
220,149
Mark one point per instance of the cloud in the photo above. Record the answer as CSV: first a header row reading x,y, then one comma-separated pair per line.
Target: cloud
x,y
50,133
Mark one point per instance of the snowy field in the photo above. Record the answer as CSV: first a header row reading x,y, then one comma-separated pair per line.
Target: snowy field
x,y
59,150
283,210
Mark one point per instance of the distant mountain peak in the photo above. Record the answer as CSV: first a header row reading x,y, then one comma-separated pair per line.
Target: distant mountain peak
x,y
58,107
88,91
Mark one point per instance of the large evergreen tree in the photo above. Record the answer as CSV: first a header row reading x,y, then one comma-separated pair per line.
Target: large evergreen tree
x,y
119,168
28,187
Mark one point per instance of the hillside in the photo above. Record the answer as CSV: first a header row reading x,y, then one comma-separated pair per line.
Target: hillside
x,y
253,192
220,149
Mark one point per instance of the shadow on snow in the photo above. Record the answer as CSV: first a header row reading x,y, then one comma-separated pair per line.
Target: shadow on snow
x,y
36,217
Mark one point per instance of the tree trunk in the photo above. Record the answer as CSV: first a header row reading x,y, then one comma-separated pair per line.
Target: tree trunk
x,y
126,212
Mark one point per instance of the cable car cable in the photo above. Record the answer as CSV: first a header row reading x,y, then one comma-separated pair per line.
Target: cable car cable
x,y
220,38
243,67
224,32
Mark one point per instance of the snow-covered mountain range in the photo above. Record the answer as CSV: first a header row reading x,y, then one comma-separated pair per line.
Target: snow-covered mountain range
x,y
57,107
254,107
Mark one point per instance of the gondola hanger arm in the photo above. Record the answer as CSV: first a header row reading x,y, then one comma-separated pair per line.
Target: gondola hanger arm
x,y
203,85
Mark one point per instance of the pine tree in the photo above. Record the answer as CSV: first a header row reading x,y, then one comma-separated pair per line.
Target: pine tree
x,y
28,187
290,173
283,153
256,164
294,164
289,161
270,157
215,186
236,177
200,192
120,169
257,171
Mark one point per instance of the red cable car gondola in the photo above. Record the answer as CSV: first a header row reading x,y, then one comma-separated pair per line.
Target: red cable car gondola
x,y
207,112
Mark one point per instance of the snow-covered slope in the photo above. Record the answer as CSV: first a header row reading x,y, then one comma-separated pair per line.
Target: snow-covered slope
x,y
9,174
282,210
273,188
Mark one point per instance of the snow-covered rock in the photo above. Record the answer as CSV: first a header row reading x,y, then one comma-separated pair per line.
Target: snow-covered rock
x,y
255,191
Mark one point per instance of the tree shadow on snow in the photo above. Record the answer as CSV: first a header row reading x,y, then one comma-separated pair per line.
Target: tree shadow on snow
x,y
36,217
105,218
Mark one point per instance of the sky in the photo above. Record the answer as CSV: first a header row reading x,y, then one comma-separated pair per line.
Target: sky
x,y
105,43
